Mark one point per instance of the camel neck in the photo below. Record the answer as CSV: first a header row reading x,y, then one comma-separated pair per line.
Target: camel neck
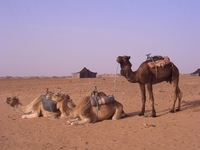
x,y
20,108
71,112
132,77
129,75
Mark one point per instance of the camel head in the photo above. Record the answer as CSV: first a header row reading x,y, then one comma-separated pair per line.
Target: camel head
x,y
124,63
12,101
61,96
49,95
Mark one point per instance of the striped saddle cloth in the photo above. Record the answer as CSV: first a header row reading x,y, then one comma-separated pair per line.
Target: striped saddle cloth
x,y
159,63
103,100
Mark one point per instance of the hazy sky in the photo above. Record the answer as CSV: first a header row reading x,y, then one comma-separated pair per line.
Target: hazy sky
x,y
59,37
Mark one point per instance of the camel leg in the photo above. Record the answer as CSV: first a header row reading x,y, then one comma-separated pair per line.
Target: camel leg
x,y
60,105
84,121
179,95
78,122
118,113
151,98
143,93
72,120
33,115
175,98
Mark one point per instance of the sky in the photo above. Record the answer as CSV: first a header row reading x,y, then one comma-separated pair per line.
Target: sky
x,y
57,38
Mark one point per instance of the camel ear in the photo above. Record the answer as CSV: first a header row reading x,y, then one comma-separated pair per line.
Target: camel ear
x,y
129,57
67,96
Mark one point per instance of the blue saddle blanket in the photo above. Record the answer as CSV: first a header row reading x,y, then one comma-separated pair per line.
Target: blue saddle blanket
x,y
48,104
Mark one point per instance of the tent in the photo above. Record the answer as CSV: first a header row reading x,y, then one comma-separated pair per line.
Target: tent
x,y
84,73
196,72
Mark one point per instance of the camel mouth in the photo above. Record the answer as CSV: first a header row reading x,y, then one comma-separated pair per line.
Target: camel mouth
x,y
118,59
8,100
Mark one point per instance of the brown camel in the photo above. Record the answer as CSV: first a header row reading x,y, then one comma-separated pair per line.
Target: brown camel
x,y
146,75
36,107
86,113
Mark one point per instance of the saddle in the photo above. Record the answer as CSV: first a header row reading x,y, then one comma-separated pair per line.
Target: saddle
x,y
159,63
101,100
48,104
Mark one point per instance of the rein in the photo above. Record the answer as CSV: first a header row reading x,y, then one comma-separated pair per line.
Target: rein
x,y
97,108
14,109
115,81
85,105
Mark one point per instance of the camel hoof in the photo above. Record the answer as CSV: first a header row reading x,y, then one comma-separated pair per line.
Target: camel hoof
x,y
178,109
172,111
153,116
123,115
23,116
141,114
74,123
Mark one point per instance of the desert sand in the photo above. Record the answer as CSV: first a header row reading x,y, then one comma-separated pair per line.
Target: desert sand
x,y
168,131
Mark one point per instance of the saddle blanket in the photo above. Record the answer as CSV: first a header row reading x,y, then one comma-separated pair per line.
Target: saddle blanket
x,y
48,104
159,63
95,101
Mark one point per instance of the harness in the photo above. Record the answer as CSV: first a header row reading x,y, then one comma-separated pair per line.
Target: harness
x,y
96,99
157,62
149,57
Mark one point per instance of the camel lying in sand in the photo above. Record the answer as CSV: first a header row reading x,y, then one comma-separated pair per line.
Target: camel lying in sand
x,y
38,107
86,113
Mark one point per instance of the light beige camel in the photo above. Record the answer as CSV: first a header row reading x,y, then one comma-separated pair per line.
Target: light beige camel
x,y
86,113
36,109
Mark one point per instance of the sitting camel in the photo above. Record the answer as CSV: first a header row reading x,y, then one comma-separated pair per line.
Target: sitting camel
x,y
40,106
86,113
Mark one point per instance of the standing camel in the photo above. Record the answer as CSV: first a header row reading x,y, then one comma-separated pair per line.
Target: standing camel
x,y
146,75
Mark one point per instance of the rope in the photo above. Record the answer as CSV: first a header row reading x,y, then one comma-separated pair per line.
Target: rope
x,y
85,105
115,81
97,108
14,109
151,58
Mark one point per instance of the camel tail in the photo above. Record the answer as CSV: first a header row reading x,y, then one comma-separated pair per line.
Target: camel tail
x,y
175,75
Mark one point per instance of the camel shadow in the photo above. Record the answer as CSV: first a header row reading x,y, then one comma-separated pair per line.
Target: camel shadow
x,y
136,113
185,105
190,104
131,114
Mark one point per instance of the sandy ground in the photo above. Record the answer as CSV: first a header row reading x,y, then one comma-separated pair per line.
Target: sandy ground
x,y
180,130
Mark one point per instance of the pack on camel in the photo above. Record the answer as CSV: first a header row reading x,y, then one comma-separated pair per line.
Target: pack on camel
x,y
154,70
40,106
96,107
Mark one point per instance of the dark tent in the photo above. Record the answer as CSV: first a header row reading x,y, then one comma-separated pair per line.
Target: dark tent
x,y
196,72
84,73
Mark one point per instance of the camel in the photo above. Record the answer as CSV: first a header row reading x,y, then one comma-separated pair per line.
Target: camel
x,y
85,113
36,107
145,75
